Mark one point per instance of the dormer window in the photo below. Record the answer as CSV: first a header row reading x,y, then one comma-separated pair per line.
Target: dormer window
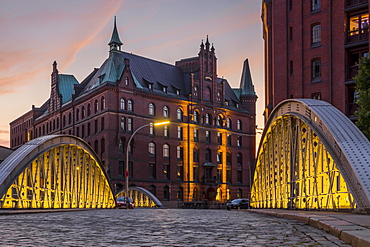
x,y
150,86
164,89
178,92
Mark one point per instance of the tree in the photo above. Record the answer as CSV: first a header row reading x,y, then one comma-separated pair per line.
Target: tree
x,y
363,89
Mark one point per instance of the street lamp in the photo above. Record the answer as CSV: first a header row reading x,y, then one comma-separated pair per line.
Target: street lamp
x,y
128,146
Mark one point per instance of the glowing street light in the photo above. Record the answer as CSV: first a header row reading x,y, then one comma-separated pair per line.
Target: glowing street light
x,y
127,149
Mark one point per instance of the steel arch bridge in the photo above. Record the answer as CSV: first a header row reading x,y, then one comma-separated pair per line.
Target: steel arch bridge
x,y
56,171
311,156
142,197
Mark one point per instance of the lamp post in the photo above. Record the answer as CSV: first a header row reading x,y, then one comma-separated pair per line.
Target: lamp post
x,y
127,149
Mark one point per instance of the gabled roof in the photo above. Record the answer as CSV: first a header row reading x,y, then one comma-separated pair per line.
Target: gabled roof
x,y
66,86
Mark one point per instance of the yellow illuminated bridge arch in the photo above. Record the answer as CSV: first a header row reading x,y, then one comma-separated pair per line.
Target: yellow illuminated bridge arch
x,y
54,172
311,156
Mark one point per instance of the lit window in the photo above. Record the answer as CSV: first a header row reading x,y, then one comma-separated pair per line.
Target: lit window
x,y
239,141
228,123
196,116
179,114
151,148
102,103
165,111
165,131
129,105
123,103
208,118
179,133
129,124
151,129
151,109
126,81
166,150
239,124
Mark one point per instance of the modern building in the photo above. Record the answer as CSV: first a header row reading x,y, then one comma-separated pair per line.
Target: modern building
x,y
206,152
312,49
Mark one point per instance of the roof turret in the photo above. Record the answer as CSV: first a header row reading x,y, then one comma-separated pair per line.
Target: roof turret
x,y
246,84
115,42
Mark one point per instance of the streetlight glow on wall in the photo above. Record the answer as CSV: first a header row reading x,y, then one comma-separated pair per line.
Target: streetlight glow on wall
x,y
128,146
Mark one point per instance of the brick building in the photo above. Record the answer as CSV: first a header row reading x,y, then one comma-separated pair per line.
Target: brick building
x,y
312,49
208,150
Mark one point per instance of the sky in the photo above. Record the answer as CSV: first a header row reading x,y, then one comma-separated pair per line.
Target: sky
x,y
75,34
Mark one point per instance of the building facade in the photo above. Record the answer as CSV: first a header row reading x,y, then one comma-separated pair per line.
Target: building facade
x,y
206,152
312,49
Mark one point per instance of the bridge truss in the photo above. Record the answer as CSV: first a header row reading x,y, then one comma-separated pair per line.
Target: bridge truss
x,y
142,197
54,172
311,156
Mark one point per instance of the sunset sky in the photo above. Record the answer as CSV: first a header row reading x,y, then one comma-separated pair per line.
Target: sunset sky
x,y
76,34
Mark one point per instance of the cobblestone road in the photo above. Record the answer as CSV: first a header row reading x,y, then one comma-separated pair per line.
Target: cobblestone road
x,y
158,227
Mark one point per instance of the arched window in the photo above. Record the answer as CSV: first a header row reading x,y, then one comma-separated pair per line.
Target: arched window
x,y
88,110
151,109
239,124
179,114
165,111
64,120
78,114
130,106
208,118
126,81
239,141
219,120
166,150
316,34
83,112
228,123
151,149
102,103
123,104
96,106
196,116
69,118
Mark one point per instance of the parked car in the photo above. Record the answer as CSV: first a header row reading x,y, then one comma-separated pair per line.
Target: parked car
x,y
238,204
125,202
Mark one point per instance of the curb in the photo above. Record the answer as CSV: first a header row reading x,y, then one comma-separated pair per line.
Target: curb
x,y
355,235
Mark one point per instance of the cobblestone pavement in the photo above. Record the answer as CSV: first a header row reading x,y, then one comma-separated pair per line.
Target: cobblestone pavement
x,y
158,227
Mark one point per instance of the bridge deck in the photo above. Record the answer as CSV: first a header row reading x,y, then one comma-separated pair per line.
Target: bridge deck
x,y
351,228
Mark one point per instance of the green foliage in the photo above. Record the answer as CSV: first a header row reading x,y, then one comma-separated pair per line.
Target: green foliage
x,y
363,89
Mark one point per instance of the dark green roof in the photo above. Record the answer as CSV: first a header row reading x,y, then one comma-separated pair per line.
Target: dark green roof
x,y
66,86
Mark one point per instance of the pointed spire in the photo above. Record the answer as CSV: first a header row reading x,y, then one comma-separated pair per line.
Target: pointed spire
x,y
246,84
207,44
212,49
202,45
115,42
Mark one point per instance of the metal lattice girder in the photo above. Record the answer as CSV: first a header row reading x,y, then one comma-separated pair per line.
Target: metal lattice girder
x,y
55,171
311,156
141,197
